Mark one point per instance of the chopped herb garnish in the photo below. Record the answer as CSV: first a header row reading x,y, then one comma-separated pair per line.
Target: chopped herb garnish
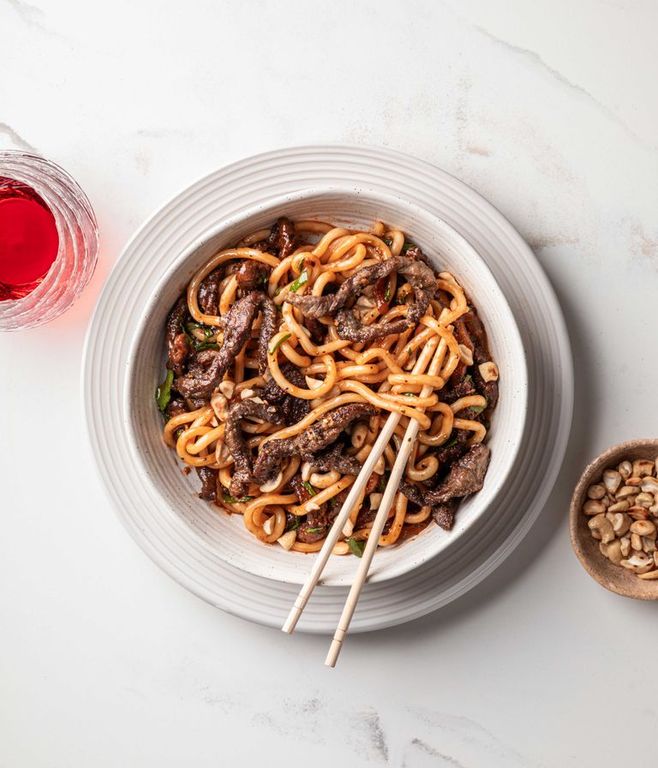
x,y
388,241
450,443
163,392
387,294
309,487
206,345
293,524
277,291
383,482
207,330
356,547
301,280
232,500
409,394
314,530
274,347
407,245
477,409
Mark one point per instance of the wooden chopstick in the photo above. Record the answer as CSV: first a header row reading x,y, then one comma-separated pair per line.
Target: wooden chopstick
x,y
337,527
353,497
373,542
380,521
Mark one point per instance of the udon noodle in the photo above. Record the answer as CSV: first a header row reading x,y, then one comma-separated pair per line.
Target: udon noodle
x,y
285,355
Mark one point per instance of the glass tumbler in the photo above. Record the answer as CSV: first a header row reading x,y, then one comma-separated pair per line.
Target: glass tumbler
x,y
77,244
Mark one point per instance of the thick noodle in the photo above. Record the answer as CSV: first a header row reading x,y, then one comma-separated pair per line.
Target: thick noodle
x,y
388,373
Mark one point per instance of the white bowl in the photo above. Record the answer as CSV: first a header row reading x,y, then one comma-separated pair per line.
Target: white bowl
x,y
225,536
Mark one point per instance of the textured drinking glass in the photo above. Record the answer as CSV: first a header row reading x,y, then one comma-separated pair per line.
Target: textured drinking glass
x,y
77,248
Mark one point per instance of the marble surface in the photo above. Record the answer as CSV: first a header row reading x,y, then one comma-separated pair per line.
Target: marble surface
x,y
546,108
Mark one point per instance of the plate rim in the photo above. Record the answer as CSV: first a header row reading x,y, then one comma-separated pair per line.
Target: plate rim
x,y
564,415
497,483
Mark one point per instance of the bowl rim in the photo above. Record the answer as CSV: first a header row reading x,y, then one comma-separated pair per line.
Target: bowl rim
x,y
594,468
355,191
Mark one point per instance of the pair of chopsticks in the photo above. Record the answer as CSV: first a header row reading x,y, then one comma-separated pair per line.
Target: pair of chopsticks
x,y
436,351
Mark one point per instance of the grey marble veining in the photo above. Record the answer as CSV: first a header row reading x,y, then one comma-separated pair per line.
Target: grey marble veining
x,y
548,109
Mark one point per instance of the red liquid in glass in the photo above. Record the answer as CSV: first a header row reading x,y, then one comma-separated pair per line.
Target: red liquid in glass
x,y
28,239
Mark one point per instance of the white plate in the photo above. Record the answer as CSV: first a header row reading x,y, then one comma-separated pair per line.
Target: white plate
x,y
173,544
155,467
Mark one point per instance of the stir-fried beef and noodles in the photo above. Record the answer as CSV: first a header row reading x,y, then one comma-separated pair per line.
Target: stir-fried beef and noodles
x,y
285,356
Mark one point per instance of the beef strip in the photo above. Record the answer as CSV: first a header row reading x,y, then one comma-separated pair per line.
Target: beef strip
x,y
178,347
317,523
252,275
347,294
348,326
208,296
470,331
333,458
458,389
316,329
175,407
318,436
208,479
444,514
201,379
267,330
178,353
466,476
454,449
242,474
293,409
297,484
415,252
282,238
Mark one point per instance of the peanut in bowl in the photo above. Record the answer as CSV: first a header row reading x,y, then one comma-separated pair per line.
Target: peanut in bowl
x,y
614,519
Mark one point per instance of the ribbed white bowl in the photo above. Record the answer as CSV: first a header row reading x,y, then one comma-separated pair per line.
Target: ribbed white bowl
x,y
180,543
225,536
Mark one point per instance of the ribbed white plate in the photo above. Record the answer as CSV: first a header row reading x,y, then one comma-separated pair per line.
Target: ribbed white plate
x,y
170,542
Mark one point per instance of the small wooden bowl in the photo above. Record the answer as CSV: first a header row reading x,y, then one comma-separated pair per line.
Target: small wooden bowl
x,y
611,576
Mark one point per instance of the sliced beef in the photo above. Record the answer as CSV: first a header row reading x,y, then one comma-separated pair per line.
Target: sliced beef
x,y
282,238
347,294
317,524
454,449
318,436
175,407
316,329
293,409
267,330
178,353
252,275
327,428
178,346
470,331
302,492
208,296
334,458
208,479
466,475
444,514
309,532
201,379
242,473
412,251
348,325
457,389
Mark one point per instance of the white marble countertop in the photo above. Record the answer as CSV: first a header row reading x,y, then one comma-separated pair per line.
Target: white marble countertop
x,y
549,109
